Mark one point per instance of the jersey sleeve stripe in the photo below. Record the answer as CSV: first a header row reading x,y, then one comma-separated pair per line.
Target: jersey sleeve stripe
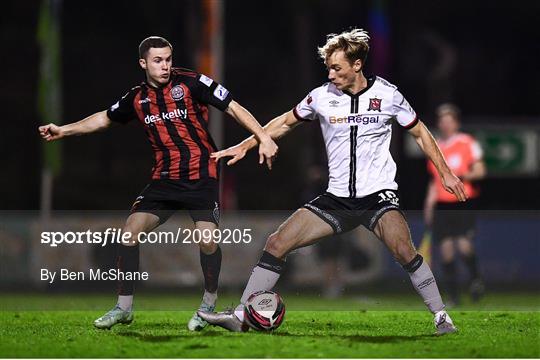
x,y
183,71
412,123
297,116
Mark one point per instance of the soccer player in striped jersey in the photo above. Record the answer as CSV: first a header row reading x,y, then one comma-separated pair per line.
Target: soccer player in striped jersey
x,y
355,114
172,107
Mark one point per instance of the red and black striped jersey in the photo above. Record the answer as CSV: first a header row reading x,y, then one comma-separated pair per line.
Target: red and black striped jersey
x,y
175,118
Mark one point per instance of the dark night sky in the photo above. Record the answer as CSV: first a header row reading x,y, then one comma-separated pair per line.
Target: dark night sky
x,y
270,64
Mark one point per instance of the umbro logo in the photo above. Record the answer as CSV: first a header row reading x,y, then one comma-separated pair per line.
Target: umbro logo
x,y
333,103
426,283
264,302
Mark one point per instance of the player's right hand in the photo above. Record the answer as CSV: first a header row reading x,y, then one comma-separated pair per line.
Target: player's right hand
x,y
268,150
237,153
453,185
51,132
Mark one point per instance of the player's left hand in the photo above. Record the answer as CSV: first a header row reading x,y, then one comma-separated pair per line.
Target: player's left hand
x,y
268,150
236,152
453,185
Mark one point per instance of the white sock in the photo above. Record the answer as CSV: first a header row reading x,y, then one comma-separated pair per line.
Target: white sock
x,y
125,302
260,279
425,284
263,277
209,298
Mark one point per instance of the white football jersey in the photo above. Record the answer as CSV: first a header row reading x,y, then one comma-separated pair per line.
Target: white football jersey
x,y
357,130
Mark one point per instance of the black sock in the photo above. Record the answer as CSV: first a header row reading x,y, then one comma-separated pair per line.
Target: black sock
x,y
414,264
211,266
472,266
450,277
272,263
127,261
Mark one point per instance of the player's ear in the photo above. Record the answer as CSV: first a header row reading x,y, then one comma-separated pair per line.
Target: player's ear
x,y
357,66
142,62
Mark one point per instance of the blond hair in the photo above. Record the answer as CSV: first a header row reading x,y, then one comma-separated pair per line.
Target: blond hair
x,y
353,42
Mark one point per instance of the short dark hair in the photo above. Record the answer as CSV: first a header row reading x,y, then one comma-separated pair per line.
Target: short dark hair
x,y
152,42
449,109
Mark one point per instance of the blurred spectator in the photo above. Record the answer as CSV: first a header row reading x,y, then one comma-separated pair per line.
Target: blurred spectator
x,y
453,222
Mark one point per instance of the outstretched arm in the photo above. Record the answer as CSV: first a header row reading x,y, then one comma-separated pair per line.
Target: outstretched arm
x,y
96,122
276,129
429,146
267,147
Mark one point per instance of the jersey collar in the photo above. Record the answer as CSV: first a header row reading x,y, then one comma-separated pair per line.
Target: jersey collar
x,y
370,81
163,87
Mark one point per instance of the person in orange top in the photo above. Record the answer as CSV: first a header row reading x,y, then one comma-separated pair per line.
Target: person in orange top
x,y
453,222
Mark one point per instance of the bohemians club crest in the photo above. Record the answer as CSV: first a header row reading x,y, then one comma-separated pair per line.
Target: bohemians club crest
x,y
177,93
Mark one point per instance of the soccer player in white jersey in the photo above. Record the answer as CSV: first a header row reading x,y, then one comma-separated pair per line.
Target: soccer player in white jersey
x,y
355,114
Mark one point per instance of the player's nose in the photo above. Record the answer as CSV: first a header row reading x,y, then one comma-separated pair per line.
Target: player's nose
x,y
331,76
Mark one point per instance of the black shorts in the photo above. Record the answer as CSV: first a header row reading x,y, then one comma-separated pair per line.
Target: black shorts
x,y
454,220
163,197
345,214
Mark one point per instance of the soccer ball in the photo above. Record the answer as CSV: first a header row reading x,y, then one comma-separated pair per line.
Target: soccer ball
x,y
264,311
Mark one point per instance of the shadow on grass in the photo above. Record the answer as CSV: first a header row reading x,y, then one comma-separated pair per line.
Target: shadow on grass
x,y
148,337
381,339
387,338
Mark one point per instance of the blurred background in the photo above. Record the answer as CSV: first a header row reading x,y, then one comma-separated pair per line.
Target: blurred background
x,y
65,60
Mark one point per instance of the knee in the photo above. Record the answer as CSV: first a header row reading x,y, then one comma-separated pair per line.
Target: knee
x,y
131,240
277,245
465,247
208,247
447,250
403,253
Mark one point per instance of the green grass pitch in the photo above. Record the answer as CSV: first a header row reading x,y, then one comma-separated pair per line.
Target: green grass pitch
x,y
376,327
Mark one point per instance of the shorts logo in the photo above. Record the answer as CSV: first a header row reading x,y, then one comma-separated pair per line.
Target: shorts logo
x,y
309,100
375,104
136,203
215,213
177,93
221,93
